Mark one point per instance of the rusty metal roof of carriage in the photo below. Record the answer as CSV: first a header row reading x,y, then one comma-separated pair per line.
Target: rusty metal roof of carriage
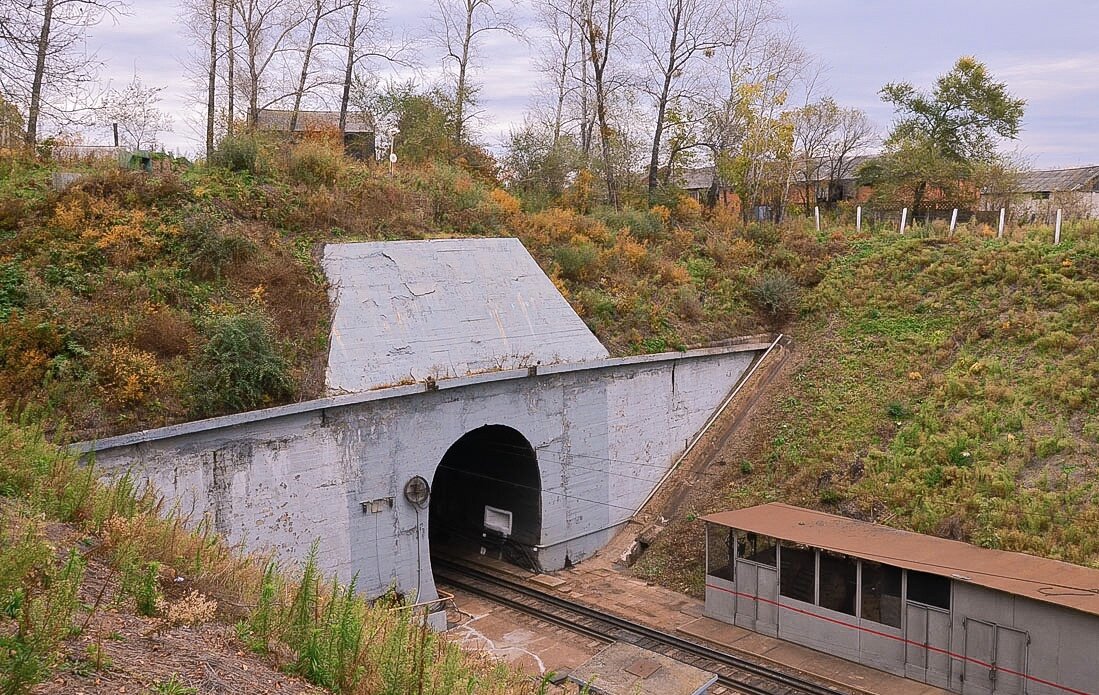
x,y
1037,578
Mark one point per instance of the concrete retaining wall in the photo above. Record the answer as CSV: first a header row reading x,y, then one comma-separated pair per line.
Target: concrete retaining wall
x,y
278,479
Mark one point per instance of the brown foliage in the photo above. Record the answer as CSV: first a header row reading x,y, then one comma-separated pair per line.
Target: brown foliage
x,y
165,332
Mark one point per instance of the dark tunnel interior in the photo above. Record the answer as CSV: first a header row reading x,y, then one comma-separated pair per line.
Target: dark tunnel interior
x,y
491,466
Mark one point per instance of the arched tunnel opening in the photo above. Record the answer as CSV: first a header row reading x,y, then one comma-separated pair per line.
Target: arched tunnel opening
x,y
487,498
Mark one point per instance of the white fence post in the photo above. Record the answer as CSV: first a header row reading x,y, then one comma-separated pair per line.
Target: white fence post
x,y
904,219
1000,234
953,220
1057,228
816,214
858,219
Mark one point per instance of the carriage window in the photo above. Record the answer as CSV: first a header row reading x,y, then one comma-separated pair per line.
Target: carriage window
x,y
929,589
838,582
798,573
719,551
757,548
881,593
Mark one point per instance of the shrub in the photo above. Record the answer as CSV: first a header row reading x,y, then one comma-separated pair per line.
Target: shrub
x,y
643,224
236,153
576,260
775,294
11,212
12,291
210,246
240,367
314,163
688,210
130,375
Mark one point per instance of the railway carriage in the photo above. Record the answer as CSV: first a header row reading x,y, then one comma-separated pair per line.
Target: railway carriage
x,y
968,619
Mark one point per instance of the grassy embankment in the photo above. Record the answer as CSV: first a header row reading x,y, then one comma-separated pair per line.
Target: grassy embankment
x,y
131,301
77,556
944,385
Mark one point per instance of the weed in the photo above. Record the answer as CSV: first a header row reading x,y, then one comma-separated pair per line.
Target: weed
x,y
776,294
12,288
175,685
314,162
98,658
576,261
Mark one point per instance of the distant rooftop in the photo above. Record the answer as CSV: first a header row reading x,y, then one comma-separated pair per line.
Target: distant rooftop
x,y
1037,578
409,310
279,119
1049,180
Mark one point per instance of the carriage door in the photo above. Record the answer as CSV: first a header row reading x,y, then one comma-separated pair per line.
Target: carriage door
x,y
927,639
757,583
995,659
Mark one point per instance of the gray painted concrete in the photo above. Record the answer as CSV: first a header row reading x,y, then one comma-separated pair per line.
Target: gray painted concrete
x,y
277,479
407,311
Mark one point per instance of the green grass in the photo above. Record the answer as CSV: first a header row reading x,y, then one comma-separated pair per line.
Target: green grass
x,y
947,387
331,635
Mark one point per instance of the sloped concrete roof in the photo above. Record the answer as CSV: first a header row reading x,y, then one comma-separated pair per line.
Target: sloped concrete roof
x,y
411,310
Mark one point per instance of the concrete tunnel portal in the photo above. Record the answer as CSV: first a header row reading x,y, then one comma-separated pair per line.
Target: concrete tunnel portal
x,y
487,493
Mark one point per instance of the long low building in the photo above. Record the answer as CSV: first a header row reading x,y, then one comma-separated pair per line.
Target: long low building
x,y
946,613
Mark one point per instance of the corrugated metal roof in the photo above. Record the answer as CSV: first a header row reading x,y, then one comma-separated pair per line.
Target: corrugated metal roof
x,y
442,308
1049,180
279,119
1041,579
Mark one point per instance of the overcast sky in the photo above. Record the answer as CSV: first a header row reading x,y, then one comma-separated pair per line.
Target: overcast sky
x,y
1047,53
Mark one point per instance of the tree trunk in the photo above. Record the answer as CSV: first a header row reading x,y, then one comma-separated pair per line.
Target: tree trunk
x,y
39,72
917,199
211,77
305,65
599,65
232,69
460,97
662,103
349,68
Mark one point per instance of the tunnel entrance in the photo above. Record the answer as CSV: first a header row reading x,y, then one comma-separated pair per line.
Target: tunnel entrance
x,y
487,493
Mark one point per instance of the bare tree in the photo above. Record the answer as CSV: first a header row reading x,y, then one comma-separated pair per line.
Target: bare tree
x,y
134,110
319,10
814,126
459,26
211,78
558,57
675,35
367,38
264,28
43,65
854,133
601,22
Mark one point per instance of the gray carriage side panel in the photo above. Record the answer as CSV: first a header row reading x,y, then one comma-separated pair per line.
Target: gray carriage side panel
x,y
721,601
882,647
1064,647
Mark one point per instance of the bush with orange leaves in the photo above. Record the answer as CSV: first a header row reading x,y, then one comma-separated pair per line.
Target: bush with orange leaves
x,y
128,376
508,204
687,210
27,345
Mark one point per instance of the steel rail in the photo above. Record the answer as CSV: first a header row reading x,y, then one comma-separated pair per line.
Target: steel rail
x,y
780,682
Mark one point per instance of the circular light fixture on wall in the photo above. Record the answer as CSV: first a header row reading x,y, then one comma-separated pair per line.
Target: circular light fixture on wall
x,y
417,490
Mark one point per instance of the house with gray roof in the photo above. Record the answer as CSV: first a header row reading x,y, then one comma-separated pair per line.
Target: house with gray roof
x,y
1041,193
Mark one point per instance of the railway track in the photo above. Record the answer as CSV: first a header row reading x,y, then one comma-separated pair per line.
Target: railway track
x,y
739,674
